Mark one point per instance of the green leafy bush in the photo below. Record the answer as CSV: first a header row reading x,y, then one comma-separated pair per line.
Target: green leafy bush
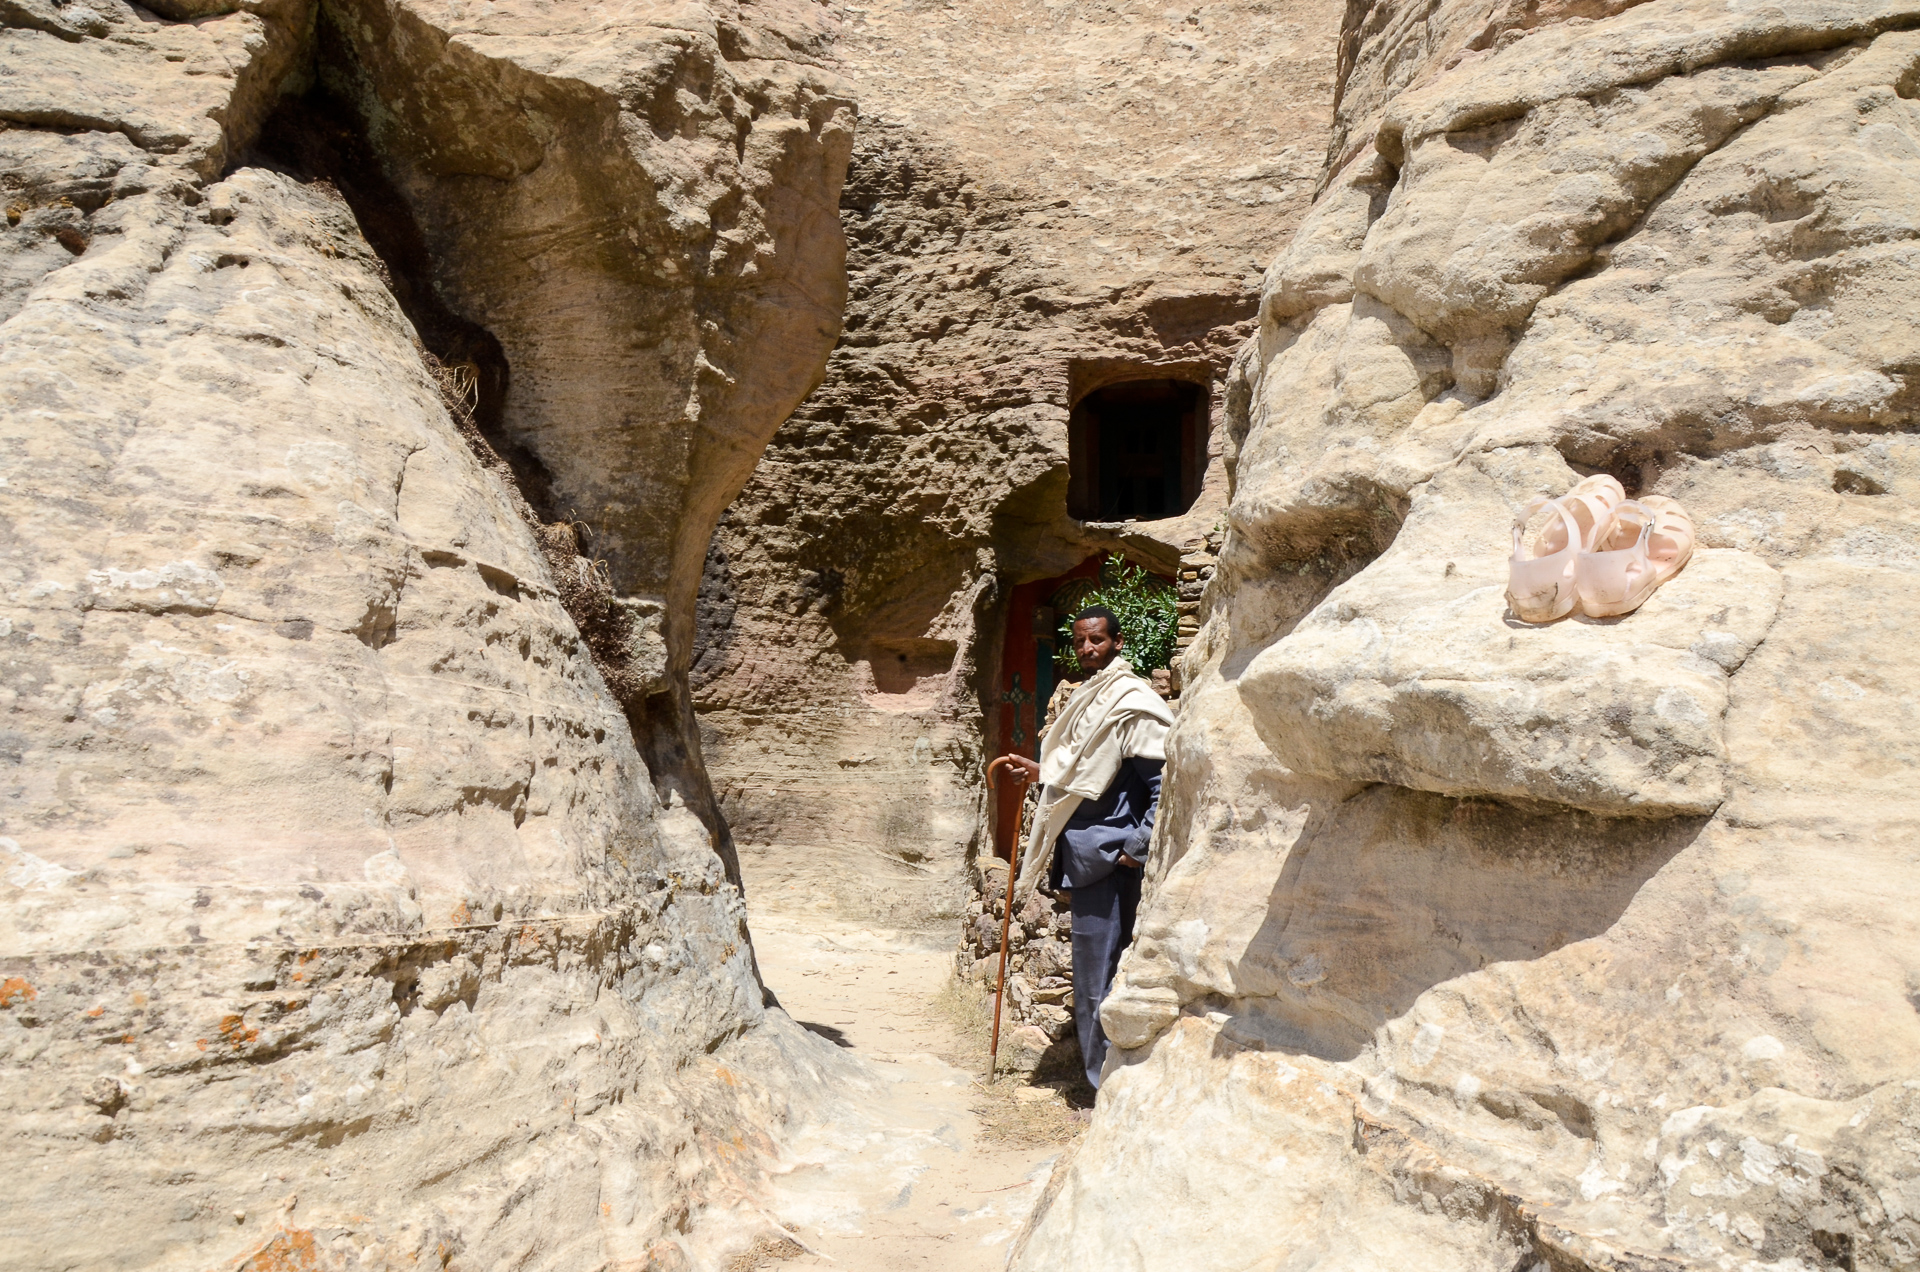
x,y
1144,604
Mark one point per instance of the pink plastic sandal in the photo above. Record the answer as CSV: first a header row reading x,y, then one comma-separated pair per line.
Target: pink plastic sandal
x,y
1645,544
1541,588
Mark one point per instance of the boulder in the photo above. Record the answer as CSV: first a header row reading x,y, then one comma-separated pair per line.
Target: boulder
x,y
342,917
1416,673
1472,944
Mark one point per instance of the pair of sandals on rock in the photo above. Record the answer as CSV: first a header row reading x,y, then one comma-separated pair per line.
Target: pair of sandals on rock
x,y
1599,551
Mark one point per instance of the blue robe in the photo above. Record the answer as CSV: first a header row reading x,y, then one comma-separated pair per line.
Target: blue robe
x,y
1106,894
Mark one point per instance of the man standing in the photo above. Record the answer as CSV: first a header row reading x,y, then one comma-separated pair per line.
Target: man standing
x,y
1099,770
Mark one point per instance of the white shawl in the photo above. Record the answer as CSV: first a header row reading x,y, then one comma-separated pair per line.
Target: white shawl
x,y
1114,715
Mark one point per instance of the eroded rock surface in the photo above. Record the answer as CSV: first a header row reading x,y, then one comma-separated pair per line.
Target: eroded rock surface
x,y
643,211
342,922
1401,676
1044,199
1475,945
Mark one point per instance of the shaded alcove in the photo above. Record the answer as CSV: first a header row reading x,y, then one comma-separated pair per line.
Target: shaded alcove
x,y
1385,893
1136,450
1016,715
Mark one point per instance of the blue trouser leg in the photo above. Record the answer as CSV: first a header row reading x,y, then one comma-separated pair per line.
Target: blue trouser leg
x,y
1102,925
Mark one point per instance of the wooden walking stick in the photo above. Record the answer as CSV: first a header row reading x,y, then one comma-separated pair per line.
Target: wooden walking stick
x,y
1006,925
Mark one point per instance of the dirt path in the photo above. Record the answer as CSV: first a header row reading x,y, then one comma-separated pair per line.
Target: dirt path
x,y
947,1181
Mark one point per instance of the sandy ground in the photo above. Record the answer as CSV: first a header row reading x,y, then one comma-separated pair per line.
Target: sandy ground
x,y
942,1176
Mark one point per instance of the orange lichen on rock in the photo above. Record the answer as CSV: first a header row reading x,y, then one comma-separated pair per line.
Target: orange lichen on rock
x,y
236,1031
289,1250
16,987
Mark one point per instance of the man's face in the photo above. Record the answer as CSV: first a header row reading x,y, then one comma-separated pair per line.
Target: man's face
x,y
1093,645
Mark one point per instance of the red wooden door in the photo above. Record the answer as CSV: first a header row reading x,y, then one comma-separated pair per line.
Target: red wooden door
x,y
1026,681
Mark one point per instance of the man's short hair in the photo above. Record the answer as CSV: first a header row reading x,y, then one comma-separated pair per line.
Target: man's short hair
x,y
1101,611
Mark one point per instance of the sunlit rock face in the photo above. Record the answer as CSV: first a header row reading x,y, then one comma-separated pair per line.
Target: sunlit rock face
x,y
1478,945
342,920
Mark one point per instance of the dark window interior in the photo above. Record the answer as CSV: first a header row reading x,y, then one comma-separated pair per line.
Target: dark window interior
x,y
1137,450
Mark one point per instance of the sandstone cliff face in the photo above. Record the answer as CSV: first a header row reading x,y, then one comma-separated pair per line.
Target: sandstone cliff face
x,y
343,921
643,211
1044,199
1478,945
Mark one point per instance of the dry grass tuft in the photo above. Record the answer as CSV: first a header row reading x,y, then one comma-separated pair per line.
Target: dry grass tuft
x,y
766,1252
1051,1113
968,1012
459,385
586,590
1035,1121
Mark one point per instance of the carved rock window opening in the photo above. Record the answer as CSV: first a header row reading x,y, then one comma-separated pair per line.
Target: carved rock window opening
x,y
1136,450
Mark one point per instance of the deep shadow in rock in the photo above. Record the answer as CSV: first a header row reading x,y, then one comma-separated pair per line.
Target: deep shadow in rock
x,y
1061,1060
319,136
835,1036
713,631
1392,891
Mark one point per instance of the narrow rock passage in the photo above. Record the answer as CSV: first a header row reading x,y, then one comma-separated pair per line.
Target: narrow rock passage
x,y
953,1169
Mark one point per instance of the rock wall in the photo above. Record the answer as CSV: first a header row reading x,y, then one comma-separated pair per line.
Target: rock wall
x,y
1043,199
1037,1033
1474,945
663,300
344,923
